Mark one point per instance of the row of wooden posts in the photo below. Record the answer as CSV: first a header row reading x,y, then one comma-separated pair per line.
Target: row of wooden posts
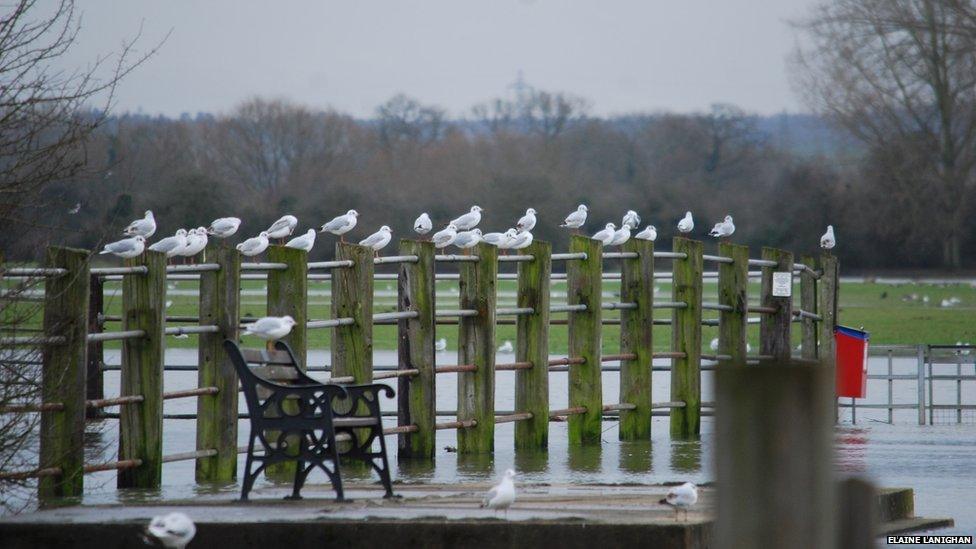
x,y
144,329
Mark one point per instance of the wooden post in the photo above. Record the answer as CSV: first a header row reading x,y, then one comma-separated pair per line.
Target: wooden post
x,y
476,334
63,375
352,297
637,286
532,345
584,281
288,295
217,414
827,310
808,302
141,424
416,394
733,279
95,382
686,337
774,442
775,328
858,514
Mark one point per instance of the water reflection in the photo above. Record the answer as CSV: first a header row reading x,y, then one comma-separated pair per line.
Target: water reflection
x,y
636,456
531,461
686,455
415,469
476,465
852,446
585,458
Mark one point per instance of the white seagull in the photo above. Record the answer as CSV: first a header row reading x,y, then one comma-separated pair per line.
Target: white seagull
x,y
270,328
520,241
341,224
649,233
620,236
173,531
75,209
283,227
466,240
506,347
445,237
469,220
378,240
576,219
827,241
502,495
527,222
171,245
142,227
606,235
224,226
687,223
713,345
509,239
631,219
681,497
196,241
440,344
724,229
422,224
254,246
126,248
303,242
495,239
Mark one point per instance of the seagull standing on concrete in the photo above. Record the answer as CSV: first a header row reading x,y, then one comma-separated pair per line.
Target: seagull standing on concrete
x,y
576,219
283,227
378,240
341,224
723,229
527,222
422,225
142,227
620,236
649,233
827,241
224,227
445,237
687,224
171,245
469,220
303,242
127,248
502,495
681,497
173,531
606,235
255,245
631,219
270,328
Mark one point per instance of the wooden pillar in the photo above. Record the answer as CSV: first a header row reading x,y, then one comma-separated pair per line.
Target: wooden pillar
x,y
532,345
828,294
775,328
288,295
415,349
95,382
63,374
141,424
686,337
352,297
584,281
773,424
217,414
857,515
733,279
476,336
808,302
637,286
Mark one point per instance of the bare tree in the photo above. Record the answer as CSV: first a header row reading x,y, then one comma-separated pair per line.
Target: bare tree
x,y
403,120
899,72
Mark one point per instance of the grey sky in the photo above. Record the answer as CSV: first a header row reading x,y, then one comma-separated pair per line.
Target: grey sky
x,y
623,56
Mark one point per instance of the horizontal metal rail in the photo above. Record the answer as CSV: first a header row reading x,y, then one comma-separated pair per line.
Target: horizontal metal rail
x,y
31,473
515,311
806,314
180,330
330,323
621,255
567,411
567,308
112,336
567,257
455,368
31,272
395,259
617,306
397,373
395,315
184,456
465,424
717,258
670,305
515,258
761,309
566,361
200,268
716,357
25,341
624,356
672,404
456,313
452,258
762,263
621,406
670,255
716,307
329,264
117,401
510,366
113,465
518,416
401,429
107,271
199,391
264,266
22,408
806,268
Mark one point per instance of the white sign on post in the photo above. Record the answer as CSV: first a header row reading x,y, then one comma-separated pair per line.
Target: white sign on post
x,y
782,284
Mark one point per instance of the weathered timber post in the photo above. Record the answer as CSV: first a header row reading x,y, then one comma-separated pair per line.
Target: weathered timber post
x,y
288,295
95,382
584,286
773,424
352,297
637,286
63,374
532,345
775,328
476,336
217,414
827,309
141,424
857,514
686,337
733,279
415,349
808,302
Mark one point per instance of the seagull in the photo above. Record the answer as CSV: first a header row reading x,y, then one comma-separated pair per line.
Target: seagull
x,y
687,224
75,209
576,219
224,227
270,328
495,239
440,344
196,241
469,220
681,497
173,531
169,303
126,248
620,236
422,225
254,246
520,241
713,345
171,245
341,224
606,235
509,239
649,233
378,240
527,222
631,219
506,347
502,495
283,227
466,240
724,229
142,227
827,241
303,242
445,237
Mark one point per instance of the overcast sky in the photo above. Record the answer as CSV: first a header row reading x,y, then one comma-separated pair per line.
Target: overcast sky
x,y
621,55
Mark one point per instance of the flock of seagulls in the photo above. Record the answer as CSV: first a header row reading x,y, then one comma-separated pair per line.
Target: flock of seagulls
x,y
461,232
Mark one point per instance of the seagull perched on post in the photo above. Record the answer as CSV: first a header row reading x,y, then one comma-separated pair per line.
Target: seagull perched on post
x,y
422,224
723,229
142,227
681,497
171,245
224,227
466,240
687,224
606,235
649,233
502,495
519,241
576,219
827,241
495,239
127,248
270,328
468,221
283,227
303,242
254,246
378,240
196,241
631,219
341,224
445,237
620,236
173,531
527,221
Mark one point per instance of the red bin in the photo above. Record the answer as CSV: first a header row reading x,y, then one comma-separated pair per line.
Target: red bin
x,y
851,359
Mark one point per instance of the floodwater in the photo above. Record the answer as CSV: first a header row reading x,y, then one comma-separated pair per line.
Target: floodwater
x,y
938,461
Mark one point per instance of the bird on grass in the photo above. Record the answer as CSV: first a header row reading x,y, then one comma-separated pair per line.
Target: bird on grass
x,y
723,229
440,344
631,219
224,227
127,248
470,220
283,227
254,246
502,495
506,347
576,219
173,531
606,234
303,242
422,225
171,245
378,240
827,241
527,221
445,237
341,224
270,328
687,224
649,233
681,498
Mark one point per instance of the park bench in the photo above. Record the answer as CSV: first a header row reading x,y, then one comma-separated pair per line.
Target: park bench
x,y
295,418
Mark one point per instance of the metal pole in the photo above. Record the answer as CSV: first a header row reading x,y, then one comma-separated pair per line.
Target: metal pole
x,y
891,383
921,384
